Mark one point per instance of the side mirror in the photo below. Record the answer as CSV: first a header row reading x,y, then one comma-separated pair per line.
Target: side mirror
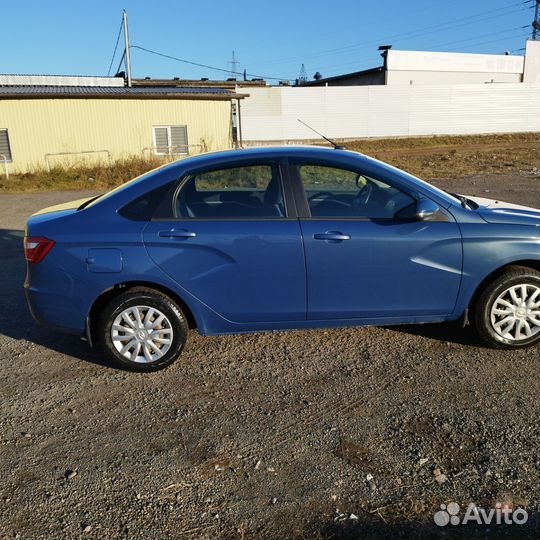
x,y
425,209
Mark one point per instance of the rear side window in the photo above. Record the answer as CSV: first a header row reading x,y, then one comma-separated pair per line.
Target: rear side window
x,y
142,208
241,192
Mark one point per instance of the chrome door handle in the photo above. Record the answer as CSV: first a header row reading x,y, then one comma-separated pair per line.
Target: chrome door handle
x,y
177,233
332,236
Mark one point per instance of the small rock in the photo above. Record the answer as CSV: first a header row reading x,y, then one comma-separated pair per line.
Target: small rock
x,y
274,500
69,474
353,516
369,477
219,467
422,461
87,528
27,435
258,465
439,476
271,469
338,516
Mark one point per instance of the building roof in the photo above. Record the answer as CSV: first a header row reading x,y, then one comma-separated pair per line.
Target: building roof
x,y
114,92
344,76
7,79
188,83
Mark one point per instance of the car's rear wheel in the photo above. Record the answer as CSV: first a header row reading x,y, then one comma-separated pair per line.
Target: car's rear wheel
x,y
142,330
507,313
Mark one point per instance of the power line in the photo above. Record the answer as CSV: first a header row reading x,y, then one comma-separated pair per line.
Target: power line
x,y
455,23
116,46
479,37
205,65
120,63
478,44
346,64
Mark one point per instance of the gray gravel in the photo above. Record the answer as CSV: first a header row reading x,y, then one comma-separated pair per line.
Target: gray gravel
x,y
312,434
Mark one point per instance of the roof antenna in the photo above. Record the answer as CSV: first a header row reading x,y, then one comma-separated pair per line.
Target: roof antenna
x,y
333,143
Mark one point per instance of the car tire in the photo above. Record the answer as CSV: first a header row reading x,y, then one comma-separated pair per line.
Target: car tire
x,y
142,330
503,313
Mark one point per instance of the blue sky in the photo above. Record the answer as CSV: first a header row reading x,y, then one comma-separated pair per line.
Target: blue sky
x,y
271,38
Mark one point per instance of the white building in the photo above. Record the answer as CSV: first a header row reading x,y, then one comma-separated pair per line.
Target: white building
x,y
428,68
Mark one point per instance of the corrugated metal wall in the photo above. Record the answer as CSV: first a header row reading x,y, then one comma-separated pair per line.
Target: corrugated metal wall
x,y
271,114
124,127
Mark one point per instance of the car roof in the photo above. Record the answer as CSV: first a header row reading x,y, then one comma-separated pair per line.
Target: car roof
x,y
276,151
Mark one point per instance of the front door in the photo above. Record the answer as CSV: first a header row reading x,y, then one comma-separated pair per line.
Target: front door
x,y
231,244
362,260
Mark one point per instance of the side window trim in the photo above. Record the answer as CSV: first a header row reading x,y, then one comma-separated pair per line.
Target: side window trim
x,y
302,203
166,212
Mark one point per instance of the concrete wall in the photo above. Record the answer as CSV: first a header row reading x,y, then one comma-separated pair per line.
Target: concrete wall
x,y
271,114
122,126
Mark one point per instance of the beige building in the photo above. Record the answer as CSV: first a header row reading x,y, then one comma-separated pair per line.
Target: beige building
x,y
43,126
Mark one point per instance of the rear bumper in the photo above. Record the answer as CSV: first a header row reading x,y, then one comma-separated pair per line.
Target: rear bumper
x,y
55,311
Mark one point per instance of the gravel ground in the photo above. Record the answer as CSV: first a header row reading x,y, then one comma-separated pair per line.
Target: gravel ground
x,y
321,434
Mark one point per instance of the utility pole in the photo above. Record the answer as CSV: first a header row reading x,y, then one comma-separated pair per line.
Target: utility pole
x,y
126,42
536,23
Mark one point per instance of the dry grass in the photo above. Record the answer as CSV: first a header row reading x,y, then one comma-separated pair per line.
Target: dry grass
x,y
455,156
427,157
83,176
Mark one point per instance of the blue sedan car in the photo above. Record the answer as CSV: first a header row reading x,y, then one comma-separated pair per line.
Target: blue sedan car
x,y
275,239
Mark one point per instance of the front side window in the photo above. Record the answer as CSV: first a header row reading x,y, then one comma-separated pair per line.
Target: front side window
x,y
240,192
339,193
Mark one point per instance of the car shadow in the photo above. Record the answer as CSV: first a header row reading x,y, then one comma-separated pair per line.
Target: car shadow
x,y
451,332
15,319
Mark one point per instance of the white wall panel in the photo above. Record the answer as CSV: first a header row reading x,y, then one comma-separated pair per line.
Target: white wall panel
x,y
271,114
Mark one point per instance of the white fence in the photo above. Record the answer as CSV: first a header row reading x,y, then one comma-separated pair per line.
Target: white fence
x,y
271,114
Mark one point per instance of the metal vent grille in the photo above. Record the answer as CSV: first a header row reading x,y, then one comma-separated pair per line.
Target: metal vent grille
x,y
5,149
179,140
171,140
161,135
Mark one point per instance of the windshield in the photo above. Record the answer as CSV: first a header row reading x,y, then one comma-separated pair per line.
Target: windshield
x,y
441,192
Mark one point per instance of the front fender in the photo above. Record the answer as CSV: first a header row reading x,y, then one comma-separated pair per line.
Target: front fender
x,y
489,247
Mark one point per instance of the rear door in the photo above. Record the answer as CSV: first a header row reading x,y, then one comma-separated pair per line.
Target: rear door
x,y
233,241
362,259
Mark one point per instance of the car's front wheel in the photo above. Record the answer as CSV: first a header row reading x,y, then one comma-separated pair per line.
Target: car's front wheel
x,y
507,313
142,330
